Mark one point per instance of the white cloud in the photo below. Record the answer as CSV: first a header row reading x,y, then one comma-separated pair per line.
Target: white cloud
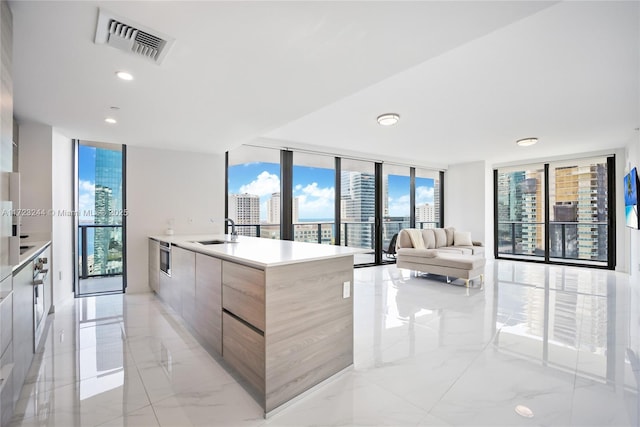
x,y
314,191
86,186
264,184
424,195
86,199
315,202
399,206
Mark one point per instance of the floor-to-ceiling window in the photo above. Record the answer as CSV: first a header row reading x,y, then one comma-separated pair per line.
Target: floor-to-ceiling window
x,y
313,201
578,214
427,197
556,212
253,191
357,207
396,198
327,199
101,219
520,211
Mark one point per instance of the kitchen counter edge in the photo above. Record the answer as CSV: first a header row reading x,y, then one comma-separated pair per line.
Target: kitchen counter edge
x,y
31,254
220,251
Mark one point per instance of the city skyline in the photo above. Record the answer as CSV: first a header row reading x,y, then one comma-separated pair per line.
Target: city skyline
x,y
315,189
578,211
99,200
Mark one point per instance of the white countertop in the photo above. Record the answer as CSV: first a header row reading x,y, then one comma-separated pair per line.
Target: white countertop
x,y
37,241
258,252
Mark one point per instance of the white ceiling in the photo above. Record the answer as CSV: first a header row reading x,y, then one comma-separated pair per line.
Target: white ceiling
x,y
467,78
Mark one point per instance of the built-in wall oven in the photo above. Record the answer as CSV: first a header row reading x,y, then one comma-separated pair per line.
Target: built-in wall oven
x,y
165,258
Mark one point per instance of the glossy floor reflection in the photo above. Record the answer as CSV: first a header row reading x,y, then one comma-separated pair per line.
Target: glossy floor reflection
x,y
562,342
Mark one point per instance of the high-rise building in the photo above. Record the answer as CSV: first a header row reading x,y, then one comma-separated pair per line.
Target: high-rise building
x,y
520,212
436,201
102,235
309,233
425,213
532,213
581,196
273,209
245,209
358,208
108,201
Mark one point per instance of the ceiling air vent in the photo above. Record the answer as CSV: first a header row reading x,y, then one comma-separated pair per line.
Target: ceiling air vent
x,y
131,37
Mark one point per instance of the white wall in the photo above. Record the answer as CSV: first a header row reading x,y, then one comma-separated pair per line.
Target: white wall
x,y
46,177
466,186
632,159
35,175
623,253
632,237
164,185
62,226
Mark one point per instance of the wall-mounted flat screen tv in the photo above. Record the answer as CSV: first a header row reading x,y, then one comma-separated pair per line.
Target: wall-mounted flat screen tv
x,y
631,198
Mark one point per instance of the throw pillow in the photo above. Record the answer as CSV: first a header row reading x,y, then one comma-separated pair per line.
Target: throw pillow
x,y
462,238
441,237
429,238
449,231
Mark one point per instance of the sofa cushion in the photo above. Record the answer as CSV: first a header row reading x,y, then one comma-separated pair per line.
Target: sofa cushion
x,y
429,238
449,231
464,250
462,238
441,237
417,253
403,241
477,250
465,262
416,238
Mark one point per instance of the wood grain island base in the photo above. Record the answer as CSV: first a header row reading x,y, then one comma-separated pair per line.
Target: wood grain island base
x,y
286,325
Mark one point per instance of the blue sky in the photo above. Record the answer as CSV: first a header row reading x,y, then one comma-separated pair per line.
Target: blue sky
x,y
86,180
315,188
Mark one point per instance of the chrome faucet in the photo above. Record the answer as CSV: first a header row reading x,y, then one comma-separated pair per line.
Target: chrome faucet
x,y
234,233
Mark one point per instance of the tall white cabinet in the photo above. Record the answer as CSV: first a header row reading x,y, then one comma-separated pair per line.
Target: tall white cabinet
x,y
6,166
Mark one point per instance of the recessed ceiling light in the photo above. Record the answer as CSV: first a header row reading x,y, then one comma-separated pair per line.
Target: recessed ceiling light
x,y
111,120
526,142
388,119
524,411
123,75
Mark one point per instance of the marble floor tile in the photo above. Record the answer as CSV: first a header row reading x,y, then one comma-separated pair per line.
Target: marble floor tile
x,y
532,345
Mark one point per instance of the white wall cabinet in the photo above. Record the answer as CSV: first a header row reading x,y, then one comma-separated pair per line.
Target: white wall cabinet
x,y
6,352
23,332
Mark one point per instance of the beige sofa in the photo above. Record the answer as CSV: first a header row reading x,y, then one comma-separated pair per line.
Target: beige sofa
x,y
442,251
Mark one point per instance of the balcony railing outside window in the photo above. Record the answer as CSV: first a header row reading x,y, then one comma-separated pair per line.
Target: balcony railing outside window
x,y
352,233
100,249
571,241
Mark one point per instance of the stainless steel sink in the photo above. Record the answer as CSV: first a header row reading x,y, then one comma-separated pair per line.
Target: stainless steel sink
x,y
214,242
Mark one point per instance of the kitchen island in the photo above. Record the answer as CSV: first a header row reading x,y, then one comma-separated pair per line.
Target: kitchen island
x,y
280,313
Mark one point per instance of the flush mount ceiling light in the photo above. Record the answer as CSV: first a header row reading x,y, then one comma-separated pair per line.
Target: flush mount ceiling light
x,y
526,142
111,120
123,75
388,119
524,411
